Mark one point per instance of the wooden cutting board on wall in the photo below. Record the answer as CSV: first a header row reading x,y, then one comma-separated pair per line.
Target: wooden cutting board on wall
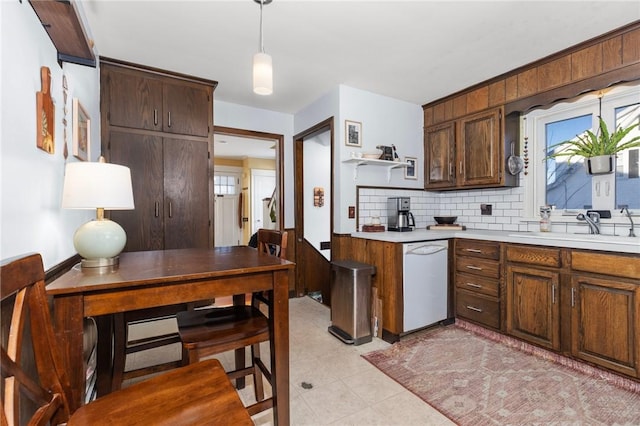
x,y
45,114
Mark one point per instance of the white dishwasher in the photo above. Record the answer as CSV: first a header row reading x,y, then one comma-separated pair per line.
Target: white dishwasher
x,y
425,283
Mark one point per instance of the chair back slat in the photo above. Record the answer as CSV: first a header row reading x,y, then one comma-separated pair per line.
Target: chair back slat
x,y
22,290
273,242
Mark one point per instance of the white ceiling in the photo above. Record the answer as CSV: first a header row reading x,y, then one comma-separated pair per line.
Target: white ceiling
x,y
417,51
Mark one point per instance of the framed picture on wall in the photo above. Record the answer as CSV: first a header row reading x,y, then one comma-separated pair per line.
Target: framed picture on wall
x,y
81,131
410,172
352,133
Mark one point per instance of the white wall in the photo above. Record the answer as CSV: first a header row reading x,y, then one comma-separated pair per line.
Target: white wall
x,y
261,120
31,219
317,173
385,121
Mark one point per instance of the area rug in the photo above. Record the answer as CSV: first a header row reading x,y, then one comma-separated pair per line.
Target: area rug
x,y
474,380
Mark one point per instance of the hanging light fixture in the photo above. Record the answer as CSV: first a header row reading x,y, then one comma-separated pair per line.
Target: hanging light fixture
x,y
262,67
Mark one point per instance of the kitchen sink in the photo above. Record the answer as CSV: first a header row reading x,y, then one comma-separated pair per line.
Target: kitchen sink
x,y
589,238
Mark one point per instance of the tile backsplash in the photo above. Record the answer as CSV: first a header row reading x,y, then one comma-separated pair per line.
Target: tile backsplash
x,y
507,210
507,206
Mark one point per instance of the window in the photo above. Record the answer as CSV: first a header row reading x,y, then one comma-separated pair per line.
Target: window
x,y
224,184
566,185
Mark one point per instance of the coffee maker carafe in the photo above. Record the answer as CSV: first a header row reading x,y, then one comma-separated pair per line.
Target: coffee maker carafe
x,y
399,218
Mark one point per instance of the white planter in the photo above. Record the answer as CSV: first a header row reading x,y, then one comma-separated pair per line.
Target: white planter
x,y
601,164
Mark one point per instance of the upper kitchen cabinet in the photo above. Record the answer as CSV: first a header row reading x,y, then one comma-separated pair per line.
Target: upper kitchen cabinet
x,y
149,101
470,152
440,154
160,125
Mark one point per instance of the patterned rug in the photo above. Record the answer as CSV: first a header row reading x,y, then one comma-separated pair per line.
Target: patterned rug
x,y
473,380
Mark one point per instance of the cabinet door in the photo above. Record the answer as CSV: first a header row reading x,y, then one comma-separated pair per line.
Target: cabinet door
x,y
135,101
439,149
533,308
186,109
143,155
480,149
604,324
186,194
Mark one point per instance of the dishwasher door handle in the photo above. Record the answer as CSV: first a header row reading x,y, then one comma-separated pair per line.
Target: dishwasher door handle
x,y
426,250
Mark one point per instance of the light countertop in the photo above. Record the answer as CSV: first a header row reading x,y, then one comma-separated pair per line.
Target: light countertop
x,y
610,243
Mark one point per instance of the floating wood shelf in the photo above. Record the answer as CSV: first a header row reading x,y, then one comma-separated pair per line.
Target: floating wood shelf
x,y
60,20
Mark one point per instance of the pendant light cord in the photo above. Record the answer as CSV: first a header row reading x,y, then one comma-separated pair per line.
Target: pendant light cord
x,y
261,39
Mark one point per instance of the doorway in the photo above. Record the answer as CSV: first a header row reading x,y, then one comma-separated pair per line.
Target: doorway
x,y
238,153
313,164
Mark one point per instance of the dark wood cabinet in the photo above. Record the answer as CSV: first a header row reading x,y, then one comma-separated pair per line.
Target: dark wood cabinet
x,y
439,150
470,152
604,324
480,150
140,100
533,305
477,281
533,294
605,307
160,126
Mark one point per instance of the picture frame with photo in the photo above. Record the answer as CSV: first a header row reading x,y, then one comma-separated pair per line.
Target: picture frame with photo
x,y
411,171
352,133
81,131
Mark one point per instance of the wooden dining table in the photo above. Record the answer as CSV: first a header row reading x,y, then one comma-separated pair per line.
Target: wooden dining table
x,y
167,277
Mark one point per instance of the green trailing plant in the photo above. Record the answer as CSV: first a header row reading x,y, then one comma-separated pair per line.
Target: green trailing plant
x,y
591,144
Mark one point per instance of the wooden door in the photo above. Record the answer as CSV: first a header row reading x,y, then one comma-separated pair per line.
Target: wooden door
x,y
186,109
143,155
135,101
480,149
439,149
186,197
604,322
533,305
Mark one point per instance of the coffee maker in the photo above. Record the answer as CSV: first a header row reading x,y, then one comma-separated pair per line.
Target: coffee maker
x,y
399,218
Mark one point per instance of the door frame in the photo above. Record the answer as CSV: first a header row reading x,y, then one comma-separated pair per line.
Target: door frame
x,y
222,130
298,195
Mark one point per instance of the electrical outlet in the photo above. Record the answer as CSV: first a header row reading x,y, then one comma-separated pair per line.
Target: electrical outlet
x,y
485,209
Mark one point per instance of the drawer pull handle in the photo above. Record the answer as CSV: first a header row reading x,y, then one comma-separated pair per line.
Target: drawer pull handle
x,y
475,268
474,285
473,308
473,250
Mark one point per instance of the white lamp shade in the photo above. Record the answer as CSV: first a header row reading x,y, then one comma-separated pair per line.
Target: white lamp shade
x,y
262,74
97,185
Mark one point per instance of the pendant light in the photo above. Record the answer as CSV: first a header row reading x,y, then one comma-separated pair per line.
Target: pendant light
x,y
262,66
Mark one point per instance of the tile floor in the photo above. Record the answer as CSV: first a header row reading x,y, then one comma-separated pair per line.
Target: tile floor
x,y
345,389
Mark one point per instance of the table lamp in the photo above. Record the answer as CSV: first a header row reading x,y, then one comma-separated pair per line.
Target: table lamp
x,y
101,186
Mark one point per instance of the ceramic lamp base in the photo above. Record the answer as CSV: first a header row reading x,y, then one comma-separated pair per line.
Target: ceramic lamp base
x,y
99,242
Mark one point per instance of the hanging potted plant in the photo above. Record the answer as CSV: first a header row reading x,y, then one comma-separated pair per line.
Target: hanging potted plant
x,y
599,149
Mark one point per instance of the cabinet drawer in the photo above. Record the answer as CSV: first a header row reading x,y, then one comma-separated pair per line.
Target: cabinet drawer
x,y
478,266
534,255
477,248
477,284
478,308
627,266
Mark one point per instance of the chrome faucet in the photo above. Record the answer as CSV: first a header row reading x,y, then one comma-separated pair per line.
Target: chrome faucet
x,y
631,233
593,220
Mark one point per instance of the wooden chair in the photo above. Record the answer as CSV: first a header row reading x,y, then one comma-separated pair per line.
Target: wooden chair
x,y
36,387
207,332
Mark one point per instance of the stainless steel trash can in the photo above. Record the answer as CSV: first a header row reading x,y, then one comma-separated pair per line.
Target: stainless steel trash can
x,y
351,301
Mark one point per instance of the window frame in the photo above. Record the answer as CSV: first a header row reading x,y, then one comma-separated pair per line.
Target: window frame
x,y
533,128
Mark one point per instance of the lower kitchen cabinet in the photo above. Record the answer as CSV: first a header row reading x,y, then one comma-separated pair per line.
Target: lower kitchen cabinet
x,y
477,281
533,305
605,311
604,323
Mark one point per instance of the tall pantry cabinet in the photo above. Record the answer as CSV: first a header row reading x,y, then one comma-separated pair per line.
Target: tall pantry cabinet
x,y
160,125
